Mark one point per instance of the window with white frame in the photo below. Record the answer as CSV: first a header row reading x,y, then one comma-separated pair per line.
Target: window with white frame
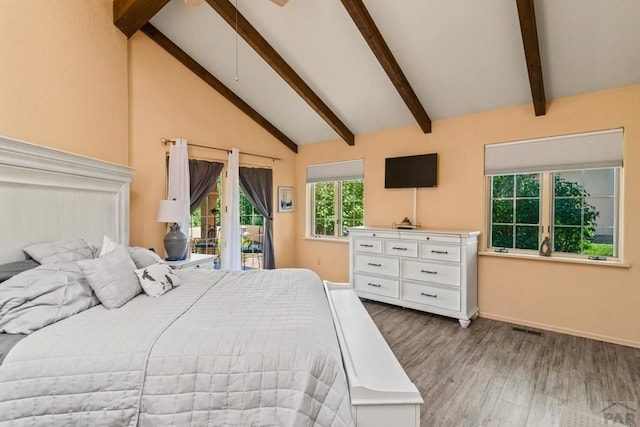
x,y
335,198
585,206
515,211
565,189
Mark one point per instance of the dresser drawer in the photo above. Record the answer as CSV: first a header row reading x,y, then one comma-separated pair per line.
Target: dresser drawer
x,y
431,272
401,248
440,252
371,233
369,245
435,238
376,265
431,295
376,285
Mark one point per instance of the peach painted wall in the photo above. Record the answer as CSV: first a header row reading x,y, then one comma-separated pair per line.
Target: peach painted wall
x,y
169,101
63,77
593,301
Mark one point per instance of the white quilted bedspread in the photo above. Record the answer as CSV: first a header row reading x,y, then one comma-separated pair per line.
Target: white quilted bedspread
x,y
225,349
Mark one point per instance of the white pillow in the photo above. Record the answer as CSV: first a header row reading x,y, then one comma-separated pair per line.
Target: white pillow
x,y
108,245
157,279
143,257
112,277
60,251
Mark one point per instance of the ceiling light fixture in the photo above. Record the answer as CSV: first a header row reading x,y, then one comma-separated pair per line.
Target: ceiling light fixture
x,y
193,2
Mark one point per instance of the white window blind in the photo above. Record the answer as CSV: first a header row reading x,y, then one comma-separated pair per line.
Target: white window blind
x,y
338,171
569,152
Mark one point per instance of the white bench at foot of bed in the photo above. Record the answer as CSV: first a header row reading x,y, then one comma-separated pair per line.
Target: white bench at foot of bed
x,y
381,392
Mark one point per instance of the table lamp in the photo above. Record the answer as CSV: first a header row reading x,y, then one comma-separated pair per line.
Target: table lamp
x,y
174,212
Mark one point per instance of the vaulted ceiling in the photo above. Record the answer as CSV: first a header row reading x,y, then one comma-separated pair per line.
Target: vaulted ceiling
x,y
316,70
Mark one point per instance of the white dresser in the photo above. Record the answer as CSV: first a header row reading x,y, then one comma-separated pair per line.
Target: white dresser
x,y
428,270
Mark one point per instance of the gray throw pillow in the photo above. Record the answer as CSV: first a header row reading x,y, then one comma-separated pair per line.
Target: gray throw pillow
x,y
9,270
60,251
112,277
143,257
157,279
38,297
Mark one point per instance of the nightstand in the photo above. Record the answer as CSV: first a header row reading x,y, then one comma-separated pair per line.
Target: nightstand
x,y
195,261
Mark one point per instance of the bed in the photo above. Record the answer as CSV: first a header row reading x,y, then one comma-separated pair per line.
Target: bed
x,y
225,348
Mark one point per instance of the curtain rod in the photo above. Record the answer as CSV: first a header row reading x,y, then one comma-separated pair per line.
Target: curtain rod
x,y
166,141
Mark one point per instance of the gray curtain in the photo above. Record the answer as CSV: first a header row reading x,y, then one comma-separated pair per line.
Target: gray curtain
x,y
257,184
203,176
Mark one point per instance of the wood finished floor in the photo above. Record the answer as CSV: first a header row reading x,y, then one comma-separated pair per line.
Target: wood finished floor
x,y
491,375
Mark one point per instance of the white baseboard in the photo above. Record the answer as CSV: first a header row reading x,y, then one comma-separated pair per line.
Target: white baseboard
x,y
568,331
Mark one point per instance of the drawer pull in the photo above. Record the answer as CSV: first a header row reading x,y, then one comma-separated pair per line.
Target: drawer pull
x,y
362,245
428,272
440,252
374,265
429,295
398,249
374,285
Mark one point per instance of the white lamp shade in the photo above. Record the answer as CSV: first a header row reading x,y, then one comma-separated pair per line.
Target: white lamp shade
x,y
173,211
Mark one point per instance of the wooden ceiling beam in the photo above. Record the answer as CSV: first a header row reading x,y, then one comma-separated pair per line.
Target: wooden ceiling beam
x,y
130,15
154,34
527,16
238,22
380,49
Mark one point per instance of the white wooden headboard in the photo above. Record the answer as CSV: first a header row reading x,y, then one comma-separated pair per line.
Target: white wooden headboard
x,y
48,195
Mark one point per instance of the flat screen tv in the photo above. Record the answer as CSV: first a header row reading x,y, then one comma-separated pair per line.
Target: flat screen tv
x,y
411,171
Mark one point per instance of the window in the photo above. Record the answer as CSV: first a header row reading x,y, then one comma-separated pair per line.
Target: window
x,y
336,206
205,228
352,195
252,226
205,223
515,211
582,206
584,212
248,214
324,208
336,198
564,189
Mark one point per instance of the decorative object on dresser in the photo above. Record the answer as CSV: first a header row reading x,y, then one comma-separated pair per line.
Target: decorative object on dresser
x,y
194,261
174,212
428,270
405,224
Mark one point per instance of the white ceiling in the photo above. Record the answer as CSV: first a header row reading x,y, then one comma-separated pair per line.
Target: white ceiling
x,y
460,56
